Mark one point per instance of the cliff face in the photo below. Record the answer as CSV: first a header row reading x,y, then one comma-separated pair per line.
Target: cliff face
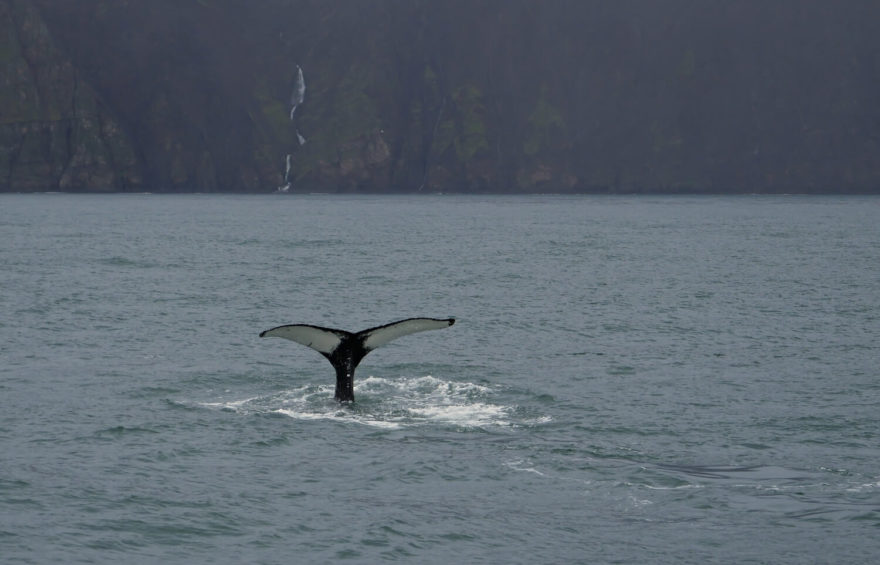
x,y
55,132
492,95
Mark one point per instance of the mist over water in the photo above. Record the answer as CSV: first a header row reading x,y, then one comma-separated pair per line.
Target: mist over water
x,y
630,379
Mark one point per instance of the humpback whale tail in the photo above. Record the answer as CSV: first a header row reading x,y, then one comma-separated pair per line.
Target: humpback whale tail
x,y
345,349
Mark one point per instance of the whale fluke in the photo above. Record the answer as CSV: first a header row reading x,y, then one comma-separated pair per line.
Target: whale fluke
x,y
345,349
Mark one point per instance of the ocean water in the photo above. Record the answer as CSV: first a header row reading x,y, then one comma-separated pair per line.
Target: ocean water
x,y
630,380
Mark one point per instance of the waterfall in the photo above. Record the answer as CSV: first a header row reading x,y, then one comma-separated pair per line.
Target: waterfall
x,y
296,98
300,85
299,91
286,186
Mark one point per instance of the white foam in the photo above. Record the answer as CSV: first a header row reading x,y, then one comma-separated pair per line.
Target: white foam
x,y
385,403
517,465
864,487
472,415
337,416
231,405
676,487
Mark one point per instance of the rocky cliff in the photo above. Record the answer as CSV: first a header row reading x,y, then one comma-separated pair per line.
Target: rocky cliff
x,y
56,133
453,95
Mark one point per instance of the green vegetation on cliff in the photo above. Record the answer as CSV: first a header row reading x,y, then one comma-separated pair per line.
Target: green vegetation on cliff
x,y
55,133
496,95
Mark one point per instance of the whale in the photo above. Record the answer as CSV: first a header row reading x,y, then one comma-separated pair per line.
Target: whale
x,y
345,350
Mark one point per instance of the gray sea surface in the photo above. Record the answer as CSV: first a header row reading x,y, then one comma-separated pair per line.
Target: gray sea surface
x,y
629,380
